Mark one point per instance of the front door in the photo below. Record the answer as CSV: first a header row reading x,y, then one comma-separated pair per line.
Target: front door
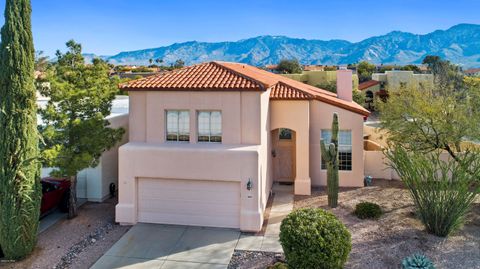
x,y
283,155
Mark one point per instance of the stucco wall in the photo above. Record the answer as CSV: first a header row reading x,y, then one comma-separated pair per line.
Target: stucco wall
x,y
241,156
215,162
240,114
377,165
321,115
295,115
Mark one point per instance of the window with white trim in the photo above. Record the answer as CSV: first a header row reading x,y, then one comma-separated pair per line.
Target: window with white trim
x,y
209,126
178,125
344,148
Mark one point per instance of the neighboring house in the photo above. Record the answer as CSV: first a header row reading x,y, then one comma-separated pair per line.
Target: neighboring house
x,y
473,72
318,77
206,143
371,89
391,81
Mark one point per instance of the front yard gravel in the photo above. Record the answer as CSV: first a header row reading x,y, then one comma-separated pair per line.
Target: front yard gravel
x,y
76,243
242,259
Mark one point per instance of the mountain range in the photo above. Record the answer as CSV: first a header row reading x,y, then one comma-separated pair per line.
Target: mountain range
x,y
460,44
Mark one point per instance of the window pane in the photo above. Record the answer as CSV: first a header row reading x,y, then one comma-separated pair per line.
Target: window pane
x,y
215,123
184,126
172,125
203,125
285,134
344,149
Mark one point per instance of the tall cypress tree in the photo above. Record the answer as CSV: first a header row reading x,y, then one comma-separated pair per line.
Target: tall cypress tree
x,y
20,191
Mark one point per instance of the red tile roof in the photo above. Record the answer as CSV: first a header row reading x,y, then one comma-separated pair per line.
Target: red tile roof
x,y
207,76
282,91
221,76
367,84
472,71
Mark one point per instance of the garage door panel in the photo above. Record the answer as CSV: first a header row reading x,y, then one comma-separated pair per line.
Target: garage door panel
x,y
189,202
185,207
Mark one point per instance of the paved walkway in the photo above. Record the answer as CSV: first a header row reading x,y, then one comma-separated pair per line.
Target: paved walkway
x,y
175,246
282,205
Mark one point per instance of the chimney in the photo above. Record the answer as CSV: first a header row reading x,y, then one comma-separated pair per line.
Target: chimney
x,y
344,84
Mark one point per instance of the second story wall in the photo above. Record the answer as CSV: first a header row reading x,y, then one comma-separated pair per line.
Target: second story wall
x,y
241,114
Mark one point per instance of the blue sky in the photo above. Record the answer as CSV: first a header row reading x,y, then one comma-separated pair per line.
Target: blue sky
x,y
106,27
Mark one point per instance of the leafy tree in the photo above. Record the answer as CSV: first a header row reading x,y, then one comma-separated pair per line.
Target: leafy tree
x,y
438,117
358,97
20,191
41,61
150,60
159,61
330,86
365,71
178,64
289,67
75,130
411,67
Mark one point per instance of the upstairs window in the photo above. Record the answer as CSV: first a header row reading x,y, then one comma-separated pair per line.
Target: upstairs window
x,y
344,149
210,126
178,125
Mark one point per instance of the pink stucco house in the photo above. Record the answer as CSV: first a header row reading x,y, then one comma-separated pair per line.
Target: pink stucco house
x,y
208,141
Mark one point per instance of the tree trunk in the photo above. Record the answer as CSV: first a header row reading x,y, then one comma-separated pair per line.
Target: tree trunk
x,y
72,205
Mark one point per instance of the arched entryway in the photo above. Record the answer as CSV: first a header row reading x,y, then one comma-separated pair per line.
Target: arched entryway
x,y
284,155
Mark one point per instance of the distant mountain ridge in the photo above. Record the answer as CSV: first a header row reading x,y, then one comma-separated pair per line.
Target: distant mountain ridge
x,y
460,44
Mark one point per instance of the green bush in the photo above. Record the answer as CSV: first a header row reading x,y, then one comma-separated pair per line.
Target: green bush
x,y
314,238
367,210
442,191
417,261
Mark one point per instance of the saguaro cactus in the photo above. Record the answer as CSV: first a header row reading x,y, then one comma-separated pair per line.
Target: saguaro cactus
x,y
330,156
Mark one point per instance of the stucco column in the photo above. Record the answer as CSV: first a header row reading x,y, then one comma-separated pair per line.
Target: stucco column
x,y
302,176
126,209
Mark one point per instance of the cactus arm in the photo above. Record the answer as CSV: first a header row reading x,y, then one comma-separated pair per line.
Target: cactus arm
x,y
325,153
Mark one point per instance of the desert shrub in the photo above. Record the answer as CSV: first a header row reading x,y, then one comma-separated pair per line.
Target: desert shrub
x,y
367,210
417,261
442,191
278,265
314,238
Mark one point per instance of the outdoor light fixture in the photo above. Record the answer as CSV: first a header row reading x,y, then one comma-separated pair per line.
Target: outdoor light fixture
x,y
249,184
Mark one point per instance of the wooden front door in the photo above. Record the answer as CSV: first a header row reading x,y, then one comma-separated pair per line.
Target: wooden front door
x,y
283,155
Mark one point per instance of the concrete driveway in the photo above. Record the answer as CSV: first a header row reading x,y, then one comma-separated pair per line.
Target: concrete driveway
x,y
174,246
171,246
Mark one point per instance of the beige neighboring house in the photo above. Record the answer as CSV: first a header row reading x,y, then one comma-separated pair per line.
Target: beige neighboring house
x,y
206,143
319,77
391,81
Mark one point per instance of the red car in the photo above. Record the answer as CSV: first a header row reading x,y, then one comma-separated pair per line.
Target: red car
x,y
55,193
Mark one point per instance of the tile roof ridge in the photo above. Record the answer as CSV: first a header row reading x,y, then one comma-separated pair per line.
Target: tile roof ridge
x,y
310,95
259,83
160,74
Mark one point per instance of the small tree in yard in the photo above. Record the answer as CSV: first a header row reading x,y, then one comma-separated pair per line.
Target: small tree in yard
x,y
442,190
289,67
75,130
20,190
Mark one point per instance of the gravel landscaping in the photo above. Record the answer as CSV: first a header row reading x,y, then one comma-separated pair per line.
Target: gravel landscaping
x,y
76,243
383,243
242,259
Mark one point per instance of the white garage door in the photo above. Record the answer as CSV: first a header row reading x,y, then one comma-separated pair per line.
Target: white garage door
x,y
189,202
